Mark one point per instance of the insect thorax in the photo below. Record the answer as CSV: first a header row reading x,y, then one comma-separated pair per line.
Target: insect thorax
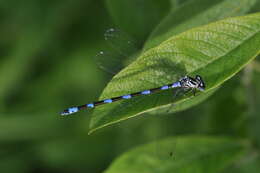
x,y
188,82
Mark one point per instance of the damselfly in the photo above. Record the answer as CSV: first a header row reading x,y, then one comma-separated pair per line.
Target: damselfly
x,y
123,49
185,83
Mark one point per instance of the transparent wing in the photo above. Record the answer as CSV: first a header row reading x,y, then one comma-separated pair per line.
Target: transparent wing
x,y
109,61
121,42
121,48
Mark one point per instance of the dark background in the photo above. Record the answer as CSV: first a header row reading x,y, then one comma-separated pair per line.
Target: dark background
x,y
47,63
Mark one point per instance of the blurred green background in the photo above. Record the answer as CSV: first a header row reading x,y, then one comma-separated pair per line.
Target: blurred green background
x,y
47,64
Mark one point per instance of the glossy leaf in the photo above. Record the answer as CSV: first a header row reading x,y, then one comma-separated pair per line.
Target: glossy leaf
x,y
191,154
191,15
216,51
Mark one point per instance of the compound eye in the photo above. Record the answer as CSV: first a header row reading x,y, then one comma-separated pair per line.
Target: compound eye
x,y
198,77
202,85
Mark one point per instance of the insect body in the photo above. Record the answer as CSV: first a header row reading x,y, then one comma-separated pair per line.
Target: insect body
x,y
185,83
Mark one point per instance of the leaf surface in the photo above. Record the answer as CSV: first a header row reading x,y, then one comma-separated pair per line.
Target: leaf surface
x,y
190,15
216,52
191,154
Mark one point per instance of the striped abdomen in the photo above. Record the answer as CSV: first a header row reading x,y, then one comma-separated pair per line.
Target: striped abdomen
x,y
114,99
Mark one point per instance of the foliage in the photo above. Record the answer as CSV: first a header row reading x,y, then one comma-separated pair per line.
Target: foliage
x,y
47,63
209,151
216,52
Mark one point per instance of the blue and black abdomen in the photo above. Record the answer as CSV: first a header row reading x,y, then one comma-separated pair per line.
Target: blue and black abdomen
x,y
114,99
185,82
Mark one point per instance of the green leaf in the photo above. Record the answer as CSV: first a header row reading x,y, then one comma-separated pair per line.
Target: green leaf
x,y
249,164
192,15
216,52
191,154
